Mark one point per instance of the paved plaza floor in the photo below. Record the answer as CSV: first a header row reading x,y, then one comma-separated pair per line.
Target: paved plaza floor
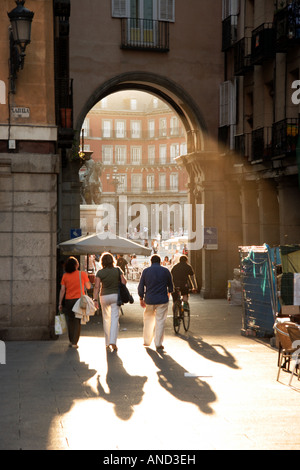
x,y
212,389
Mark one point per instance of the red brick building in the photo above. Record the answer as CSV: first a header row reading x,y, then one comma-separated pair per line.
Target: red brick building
x,y
137,138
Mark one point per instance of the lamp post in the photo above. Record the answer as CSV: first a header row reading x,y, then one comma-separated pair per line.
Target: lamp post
x,y
20,35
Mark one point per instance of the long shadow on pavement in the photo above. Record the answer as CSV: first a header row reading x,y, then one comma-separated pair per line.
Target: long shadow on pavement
x,y
209,351
191,389
125,390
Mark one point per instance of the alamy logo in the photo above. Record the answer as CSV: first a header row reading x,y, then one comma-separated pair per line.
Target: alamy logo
x,y
296,94
2,353
147,222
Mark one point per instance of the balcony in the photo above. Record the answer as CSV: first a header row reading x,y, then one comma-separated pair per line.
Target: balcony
x,y
141,34
243,145
229,32
242,56
285,137
263,43
261,148
287,26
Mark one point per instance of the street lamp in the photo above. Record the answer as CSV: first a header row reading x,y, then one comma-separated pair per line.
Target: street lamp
x,y
20,35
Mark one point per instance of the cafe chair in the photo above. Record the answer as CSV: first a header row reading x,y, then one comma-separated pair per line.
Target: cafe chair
x,y
294,333
285,347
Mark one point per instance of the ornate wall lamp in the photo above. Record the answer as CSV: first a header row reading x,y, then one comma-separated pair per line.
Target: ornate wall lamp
x,y
20,33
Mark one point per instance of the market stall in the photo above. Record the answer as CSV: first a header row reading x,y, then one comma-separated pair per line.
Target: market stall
x,y
259,291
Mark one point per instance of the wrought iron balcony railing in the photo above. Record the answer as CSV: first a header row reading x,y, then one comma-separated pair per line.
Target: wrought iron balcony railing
x,y
263,43
287,25
229,32
243,145
261,144
285,136
142,34
242,56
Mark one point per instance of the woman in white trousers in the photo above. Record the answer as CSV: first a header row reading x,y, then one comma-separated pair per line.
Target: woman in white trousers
x,y
108,279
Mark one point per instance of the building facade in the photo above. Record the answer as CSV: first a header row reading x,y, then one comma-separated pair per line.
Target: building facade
x,y
29,166
259,115
136,138
229,74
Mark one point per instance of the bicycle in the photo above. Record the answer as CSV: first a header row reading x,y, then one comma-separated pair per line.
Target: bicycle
x,y
181,312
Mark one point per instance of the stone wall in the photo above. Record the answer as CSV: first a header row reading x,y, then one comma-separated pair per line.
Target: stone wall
x,y
28,213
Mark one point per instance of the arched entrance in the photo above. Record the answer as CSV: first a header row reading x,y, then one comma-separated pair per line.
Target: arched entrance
x,y
205,167
165,89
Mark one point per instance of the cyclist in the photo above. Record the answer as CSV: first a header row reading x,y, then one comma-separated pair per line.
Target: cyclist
x,y
184,279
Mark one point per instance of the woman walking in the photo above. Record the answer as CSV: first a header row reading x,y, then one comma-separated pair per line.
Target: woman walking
x,y
70,289
108,278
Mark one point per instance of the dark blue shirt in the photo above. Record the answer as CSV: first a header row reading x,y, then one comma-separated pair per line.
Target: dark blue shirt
x,y
155,283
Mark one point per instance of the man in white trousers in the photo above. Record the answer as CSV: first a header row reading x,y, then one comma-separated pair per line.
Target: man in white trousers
x,y
154,288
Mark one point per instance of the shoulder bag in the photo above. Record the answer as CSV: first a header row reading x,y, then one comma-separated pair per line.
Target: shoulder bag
x,y
83,301
124,296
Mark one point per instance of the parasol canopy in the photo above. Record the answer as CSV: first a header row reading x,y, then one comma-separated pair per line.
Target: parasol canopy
x,y
98,243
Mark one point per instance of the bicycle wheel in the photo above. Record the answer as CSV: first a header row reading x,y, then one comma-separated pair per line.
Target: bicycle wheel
x,y
176,317
186,317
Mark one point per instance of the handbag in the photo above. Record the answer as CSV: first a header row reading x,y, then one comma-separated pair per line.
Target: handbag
x,y
60,326
124,296
83,301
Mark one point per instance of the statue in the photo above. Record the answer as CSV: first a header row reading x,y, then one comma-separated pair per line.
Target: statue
x,y
91,186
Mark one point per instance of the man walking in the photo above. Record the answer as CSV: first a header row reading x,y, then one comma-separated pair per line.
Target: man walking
x,y
154,288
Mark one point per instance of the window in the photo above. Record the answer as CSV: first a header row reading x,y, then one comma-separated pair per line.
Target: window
x,y
104,103
120,129
135,127
107,154
166,10
162,10
120,154
162,181
151,128
174,126
86,127
183,149
136,183
122,186
174,152
150,183
151,154
163,127
133,104
106,128
136,155
230,8
162,154
174,181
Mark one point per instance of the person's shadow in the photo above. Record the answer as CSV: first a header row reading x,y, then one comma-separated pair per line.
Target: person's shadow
x,y
125,391
171,376
210,351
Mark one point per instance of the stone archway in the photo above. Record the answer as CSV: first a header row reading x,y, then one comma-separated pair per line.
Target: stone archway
x,y
165,89
204,165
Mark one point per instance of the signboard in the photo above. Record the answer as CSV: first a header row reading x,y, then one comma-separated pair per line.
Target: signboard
x,y
20,112
210,238
75,232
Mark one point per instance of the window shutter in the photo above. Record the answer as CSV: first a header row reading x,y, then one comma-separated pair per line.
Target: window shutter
x,y
224,103
166,10
230,8
227,104
120,8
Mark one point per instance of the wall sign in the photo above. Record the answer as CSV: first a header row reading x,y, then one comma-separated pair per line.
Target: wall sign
x,y
20,112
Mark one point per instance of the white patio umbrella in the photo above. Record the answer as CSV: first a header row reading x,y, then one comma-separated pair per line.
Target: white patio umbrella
x,y
98,243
